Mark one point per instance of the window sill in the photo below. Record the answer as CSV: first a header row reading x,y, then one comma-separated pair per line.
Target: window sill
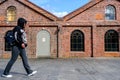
x,y
77,51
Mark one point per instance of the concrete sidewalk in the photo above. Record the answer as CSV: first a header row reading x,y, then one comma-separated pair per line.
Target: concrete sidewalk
x,y
66,69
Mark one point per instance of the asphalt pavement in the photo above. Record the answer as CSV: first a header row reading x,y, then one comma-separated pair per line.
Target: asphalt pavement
x,y
66,69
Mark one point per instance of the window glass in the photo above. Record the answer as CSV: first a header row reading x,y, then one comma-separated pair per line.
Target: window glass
x,y
110,12
11,13
77,41
111,41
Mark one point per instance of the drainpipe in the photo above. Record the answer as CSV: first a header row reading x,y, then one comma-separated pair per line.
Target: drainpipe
x,y
119,38
57,43
58,30
92,41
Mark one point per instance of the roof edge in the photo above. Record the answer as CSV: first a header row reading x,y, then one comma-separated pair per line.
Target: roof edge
x,y
39,9
81,9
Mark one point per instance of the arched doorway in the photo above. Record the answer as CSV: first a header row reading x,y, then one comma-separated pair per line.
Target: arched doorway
x,y
43,44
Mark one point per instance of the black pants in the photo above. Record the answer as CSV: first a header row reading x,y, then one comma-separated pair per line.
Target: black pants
x,y
16,51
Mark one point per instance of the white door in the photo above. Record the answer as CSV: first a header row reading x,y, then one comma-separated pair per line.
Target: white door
x,y
43,44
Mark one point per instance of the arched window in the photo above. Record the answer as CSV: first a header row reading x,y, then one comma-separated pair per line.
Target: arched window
x,y
11,13
7,47
77,41
110,12
111,41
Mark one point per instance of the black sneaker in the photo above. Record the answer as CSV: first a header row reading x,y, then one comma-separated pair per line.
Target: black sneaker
x,y
31,74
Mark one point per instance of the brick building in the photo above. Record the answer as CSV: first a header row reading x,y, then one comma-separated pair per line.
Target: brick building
x,y
90,31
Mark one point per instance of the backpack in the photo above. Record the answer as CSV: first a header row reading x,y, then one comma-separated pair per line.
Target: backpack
x,y
10,38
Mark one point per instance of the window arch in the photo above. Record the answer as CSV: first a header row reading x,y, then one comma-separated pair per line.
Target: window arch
x,y
7,47
11,13
110,12
77,41
111,41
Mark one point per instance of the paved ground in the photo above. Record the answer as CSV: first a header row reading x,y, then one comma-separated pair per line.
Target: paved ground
x,y
66,69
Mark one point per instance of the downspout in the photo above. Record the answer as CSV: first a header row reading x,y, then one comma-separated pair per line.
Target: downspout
x,y
119,39
57,42
58,30
93,36
92,41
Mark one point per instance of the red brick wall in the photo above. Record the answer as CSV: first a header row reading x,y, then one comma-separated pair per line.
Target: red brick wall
x,y
91,22
95,15
65,42
96,12
33,18
99,45
22,11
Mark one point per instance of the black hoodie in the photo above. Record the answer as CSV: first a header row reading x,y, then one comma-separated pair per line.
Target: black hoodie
x,y
19,32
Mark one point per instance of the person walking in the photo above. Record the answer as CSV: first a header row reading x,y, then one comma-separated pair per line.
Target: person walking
x,y
19,49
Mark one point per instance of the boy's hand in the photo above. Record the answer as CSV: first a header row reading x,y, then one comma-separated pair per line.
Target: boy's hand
x,y
23,45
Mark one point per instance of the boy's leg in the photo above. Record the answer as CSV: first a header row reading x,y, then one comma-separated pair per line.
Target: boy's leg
x,y
25,61
14,56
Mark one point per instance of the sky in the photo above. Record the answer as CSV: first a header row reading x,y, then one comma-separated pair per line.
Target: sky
x,y
60,8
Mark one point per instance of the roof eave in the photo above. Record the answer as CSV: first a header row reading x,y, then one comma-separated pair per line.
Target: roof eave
x,y
81,9
39,9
